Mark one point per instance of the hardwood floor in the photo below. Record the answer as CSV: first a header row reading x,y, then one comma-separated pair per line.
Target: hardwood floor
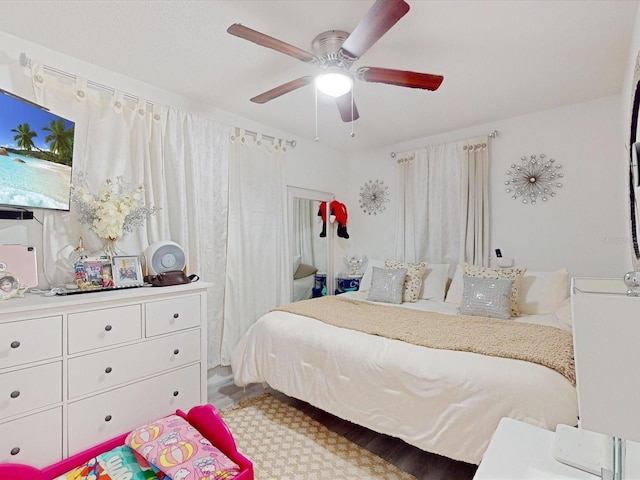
x,y
421,464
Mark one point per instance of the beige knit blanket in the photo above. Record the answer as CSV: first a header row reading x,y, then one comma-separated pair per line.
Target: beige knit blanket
x,y
548,346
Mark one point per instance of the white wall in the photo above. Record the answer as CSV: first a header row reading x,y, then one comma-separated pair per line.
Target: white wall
x,y
309,165
583,228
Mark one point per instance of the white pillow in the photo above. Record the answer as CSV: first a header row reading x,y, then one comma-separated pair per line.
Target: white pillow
x,y
365,281
434,283
454,294
564,316
543,292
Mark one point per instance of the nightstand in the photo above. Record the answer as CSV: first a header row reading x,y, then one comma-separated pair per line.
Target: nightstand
x,y
519,451
347,284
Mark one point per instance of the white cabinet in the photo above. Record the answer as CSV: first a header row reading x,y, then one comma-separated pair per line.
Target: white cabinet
x,y
77,370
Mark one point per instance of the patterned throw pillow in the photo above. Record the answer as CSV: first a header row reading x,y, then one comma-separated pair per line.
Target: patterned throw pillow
x,y
387,285
486,297
513,273
413,280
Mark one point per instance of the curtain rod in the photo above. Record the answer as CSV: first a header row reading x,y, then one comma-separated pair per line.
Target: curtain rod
x,y
291,143
493,134
26,62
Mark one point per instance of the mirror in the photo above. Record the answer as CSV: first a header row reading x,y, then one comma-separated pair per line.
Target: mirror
x,y
310,253
634,168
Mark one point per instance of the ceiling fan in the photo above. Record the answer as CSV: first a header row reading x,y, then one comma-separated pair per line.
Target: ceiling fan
x,y
335,51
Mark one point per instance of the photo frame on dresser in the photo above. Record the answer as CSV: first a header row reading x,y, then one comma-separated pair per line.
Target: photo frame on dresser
x,y
127,270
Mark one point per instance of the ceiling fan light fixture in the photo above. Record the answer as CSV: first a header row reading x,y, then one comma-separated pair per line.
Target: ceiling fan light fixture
x,y
334,84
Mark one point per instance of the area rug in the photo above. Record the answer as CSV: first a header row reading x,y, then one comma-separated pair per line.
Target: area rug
x,y
284,443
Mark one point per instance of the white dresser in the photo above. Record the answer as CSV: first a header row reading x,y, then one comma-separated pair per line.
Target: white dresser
x,y
80,369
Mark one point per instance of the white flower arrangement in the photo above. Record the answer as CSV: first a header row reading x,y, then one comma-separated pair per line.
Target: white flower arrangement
x,y
114,210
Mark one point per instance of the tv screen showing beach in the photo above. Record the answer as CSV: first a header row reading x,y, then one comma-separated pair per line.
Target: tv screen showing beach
x,y
36,155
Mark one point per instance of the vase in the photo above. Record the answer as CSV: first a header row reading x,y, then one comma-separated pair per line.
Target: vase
x,y
110,248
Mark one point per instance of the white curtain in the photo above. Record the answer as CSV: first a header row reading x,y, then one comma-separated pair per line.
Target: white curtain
x,y
474,221
181,160
431,180
258,272
442,208
196,173
305,225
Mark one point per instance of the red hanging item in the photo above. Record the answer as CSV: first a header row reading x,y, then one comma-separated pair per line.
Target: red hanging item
x,y
339,211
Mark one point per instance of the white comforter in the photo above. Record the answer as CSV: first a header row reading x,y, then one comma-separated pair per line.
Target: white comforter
x,y
441,401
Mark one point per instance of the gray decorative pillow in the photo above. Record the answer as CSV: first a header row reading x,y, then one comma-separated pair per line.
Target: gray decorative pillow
x,y
486,297
387,285
413,280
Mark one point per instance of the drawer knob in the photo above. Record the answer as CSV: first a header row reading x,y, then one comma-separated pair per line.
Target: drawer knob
x,y
15,394
176,351
108,328
15,344
108,370
15,450
176,393
176,315
107,418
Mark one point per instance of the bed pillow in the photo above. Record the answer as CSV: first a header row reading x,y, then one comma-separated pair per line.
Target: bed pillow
x,y
543,292
564,316
413,280
454,294
514,273
486,297
304,270
365,281
434,282
387,285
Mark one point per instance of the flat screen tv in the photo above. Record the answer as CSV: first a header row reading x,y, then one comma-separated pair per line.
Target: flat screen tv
x,y
36,155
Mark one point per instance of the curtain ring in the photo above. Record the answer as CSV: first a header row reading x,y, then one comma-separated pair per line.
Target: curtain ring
x,y
81,89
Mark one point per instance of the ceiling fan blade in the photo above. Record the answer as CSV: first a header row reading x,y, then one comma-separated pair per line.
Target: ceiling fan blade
x,y
266,41
400,78
282,89
379,19
344,107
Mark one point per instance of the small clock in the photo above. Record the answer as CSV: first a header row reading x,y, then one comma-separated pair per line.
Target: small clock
x,y
164,256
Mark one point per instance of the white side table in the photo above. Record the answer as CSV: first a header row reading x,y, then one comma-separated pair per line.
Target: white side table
x,y
519,451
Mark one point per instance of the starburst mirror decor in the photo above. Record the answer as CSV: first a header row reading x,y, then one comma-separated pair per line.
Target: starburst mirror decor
x,y
373,196
534,179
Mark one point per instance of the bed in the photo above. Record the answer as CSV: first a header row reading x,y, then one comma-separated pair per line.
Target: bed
x,y
448,402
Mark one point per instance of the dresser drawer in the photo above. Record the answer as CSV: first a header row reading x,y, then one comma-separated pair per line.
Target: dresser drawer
x,y
30,340
102,328
30,388
96,419
34,440
110,368
173,314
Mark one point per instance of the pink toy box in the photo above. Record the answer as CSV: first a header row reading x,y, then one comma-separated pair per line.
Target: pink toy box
x,y
204,418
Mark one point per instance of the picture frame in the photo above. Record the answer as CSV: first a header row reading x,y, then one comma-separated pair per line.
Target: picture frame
x,y
9,285
126,270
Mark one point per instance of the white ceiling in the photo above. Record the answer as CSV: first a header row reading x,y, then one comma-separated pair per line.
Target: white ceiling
x,y
500,59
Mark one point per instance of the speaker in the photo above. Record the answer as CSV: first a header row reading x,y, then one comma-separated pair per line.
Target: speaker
x,y
163,256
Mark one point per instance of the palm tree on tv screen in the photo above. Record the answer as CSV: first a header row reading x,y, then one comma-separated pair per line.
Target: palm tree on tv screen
x,y
24,136
60,141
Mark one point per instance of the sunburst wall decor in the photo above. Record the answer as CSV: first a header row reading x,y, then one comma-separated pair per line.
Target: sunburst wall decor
x,y
373,196
535,178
